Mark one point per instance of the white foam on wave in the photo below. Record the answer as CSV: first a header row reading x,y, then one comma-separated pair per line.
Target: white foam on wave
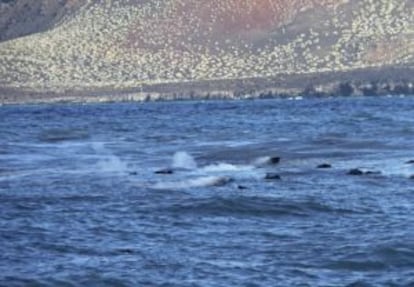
x,y
108,162
226,167
111,164
192,176
227,143
183,160
204,181
261,161
395,168
387,167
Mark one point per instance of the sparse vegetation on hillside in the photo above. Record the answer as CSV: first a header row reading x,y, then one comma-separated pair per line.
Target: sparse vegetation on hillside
x,y
125,44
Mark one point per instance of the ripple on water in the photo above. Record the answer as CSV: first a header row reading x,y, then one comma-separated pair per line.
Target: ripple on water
x,y
63,134
256,207
380,258
78,207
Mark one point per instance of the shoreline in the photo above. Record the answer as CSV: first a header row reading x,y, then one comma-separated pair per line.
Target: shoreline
x,y
391,81
131,99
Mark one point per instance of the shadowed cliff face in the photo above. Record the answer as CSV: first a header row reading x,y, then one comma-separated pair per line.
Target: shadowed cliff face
x,y
124,44
23,17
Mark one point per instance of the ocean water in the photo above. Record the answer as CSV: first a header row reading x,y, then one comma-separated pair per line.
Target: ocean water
x,y
175,193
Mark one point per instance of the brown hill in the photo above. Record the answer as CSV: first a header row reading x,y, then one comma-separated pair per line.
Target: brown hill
x,y
123,45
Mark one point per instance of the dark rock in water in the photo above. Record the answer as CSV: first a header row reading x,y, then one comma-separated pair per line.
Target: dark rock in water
x,y
356,171
410,162
133,173
164,171
274,160
412,177
324,165
241,187
272,176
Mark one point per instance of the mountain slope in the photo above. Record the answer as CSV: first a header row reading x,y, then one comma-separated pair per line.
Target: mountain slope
x,y
124,44
23,17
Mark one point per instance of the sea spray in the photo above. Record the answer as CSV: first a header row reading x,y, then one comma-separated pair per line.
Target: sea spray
x,y
112,164
226,167
204,181
108,162
266,160
183,160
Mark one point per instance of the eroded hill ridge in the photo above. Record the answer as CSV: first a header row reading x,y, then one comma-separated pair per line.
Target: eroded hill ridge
x,y
125,44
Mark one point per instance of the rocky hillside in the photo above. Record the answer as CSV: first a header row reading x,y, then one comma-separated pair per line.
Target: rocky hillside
x,y
118,45
24,17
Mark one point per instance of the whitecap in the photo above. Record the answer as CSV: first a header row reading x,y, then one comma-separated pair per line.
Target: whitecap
x,y
265,160
183,160
111,164
193,183
108,162
226,167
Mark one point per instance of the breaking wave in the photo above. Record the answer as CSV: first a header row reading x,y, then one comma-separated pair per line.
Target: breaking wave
x,y
183,160
191,183
226,167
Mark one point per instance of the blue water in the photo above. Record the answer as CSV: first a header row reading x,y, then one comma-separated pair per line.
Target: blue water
x,y
81,205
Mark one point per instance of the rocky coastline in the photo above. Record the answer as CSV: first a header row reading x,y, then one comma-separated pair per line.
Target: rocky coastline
x,y
391,81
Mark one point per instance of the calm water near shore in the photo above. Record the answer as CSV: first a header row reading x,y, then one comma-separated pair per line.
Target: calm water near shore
x,y
174,193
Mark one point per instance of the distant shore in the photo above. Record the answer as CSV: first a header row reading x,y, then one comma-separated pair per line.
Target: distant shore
x,y
366,82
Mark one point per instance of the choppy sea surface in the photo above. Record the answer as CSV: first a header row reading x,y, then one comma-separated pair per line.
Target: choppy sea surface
x,y
175,193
